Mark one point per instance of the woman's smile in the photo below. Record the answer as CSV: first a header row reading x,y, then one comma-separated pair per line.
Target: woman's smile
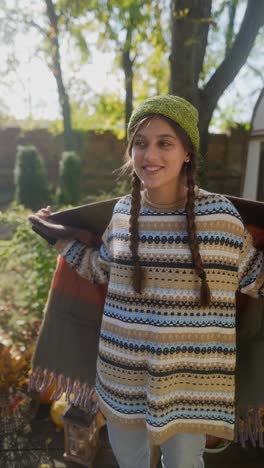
x,y
152,170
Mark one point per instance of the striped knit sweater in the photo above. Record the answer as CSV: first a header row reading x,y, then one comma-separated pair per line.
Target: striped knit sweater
x,y
164,363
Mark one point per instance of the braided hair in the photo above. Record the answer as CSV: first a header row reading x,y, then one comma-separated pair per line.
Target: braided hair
x,y
190,171
133,232
205,295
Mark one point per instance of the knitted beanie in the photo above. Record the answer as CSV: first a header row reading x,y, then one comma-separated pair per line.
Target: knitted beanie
x,y
173,107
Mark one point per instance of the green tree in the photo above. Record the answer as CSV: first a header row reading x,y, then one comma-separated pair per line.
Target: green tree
x,y
30,178
51,19
107,114
69,178
128,26
53,38
155,78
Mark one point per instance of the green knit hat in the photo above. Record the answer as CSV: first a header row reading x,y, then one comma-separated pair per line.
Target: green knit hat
x,y
173,107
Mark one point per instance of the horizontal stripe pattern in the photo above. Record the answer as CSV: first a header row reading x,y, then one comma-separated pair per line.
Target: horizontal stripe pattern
x,y
164,363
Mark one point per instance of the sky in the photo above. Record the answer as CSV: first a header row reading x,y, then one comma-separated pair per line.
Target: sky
x,y
30,91
33,89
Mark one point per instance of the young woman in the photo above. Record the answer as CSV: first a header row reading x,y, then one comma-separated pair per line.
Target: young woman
x,y
174,256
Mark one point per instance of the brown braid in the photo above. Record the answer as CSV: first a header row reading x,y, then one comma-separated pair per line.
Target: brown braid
x,y
133,231
205,295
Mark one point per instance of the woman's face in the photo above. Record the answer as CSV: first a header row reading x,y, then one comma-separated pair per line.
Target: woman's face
x,y
158,157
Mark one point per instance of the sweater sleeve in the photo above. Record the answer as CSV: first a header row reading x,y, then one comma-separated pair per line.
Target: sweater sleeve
x,y
90,263
251,269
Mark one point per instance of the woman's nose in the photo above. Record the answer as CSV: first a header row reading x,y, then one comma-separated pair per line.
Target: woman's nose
x,y
150,153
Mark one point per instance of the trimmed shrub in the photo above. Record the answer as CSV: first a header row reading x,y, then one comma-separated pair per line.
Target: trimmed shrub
x,y
30,178
69,178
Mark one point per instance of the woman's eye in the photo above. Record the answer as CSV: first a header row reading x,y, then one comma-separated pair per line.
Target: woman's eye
x,y
164,143
139,143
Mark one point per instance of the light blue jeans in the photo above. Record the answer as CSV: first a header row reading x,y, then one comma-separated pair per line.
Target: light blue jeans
x,y
131,449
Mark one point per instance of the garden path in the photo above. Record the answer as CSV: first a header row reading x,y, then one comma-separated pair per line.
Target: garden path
x,y
46,440
43,428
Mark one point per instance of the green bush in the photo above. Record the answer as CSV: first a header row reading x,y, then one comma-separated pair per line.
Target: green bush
x,y
29,258
30,178
69,178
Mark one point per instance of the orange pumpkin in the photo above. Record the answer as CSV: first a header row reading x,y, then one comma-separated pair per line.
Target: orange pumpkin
x,y
57,409
212,441
100,420
45,396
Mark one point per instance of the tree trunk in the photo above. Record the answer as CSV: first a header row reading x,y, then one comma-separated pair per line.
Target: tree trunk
x,y
236,57
228,69
57,72
232,7
189,32
204,122
128,71
66,115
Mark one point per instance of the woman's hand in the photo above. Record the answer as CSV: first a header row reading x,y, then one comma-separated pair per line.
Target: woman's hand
x,y
44,213
50,229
